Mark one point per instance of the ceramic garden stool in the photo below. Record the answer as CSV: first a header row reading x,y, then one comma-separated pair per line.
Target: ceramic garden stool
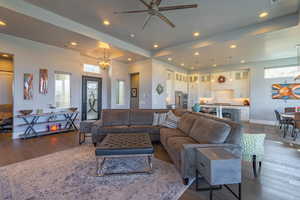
x,y
253,150
85,130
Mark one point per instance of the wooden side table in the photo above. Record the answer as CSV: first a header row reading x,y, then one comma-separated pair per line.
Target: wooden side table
x,y
219,168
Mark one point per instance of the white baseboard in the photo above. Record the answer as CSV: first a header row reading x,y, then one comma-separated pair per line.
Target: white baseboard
x,y
265,122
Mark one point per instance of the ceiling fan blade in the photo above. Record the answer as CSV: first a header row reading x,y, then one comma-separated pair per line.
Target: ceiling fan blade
x,y
155,2
165,19
131,11
146,21
146,4
166,8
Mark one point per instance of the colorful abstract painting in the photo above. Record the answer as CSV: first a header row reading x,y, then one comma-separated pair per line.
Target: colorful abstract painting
x,y
43,81
28,86
286,91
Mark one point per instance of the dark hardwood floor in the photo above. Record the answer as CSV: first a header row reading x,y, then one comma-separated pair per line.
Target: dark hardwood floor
x,y
279,179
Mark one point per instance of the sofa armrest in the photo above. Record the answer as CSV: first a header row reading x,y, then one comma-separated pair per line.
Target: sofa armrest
x,y
97,134
188,156
98,123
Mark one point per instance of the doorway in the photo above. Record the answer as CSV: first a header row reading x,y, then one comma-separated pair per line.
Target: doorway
x,y
134,90
6,93
91,98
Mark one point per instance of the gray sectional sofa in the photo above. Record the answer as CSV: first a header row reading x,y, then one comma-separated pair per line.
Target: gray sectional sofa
x,y
195,130
198,130
128,121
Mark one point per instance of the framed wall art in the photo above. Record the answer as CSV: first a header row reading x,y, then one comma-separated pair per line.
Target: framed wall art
x,y
28,86
286,91
43,87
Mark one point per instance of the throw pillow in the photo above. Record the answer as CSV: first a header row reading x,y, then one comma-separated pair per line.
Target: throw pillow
x,y
162,118
171,120
155,119
159,118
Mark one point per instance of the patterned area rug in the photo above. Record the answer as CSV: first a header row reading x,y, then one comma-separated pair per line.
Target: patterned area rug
x,y
70,175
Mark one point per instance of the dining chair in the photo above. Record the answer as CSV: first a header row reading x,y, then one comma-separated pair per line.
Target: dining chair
x,y
279,119
284,123
296,127
253,150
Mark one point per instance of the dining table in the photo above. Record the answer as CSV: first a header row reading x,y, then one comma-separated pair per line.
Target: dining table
x,y
288,115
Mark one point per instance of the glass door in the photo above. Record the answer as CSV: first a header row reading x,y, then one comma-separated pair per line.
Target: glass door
x,y
91,98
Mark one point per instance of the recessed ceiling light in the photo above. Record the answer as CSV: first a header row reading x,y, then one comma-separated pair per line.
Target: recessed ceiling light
x,y
73,43
196,34
263,14
214,65
5,55
155,46
132,35
129,59
233,46
242,61
2,23
182,64
106,22
196,53
169,59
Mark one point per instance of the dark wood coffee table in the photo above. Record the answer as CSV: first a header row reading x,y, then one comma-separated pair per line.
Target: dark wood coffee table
x,y
124,145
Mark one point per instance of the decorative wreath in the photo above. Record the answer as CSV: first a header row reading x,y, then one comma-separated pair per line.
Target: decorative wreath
x,y
221,79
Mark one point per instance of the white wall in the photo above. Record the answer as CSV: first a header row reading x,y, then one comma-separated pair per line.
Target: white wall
x,y
159,71
144,68
6,86
119,71
6,81
31,56
262,105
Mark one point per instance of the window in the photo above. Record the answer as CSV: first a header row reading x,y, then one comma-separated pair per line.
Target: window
x,y
281,72
62,90
91,69
120,96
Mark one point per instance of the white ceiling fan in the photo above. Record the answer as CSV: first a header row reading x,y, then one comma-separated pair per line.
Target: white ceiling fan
x,y
154,9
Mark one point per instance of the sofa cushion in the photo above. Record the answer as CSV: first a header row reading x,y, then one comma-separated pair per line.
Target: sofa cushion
x,y
141,117
115,117
180,112
186,122
171,120
166,133
175,146
113,129
209,131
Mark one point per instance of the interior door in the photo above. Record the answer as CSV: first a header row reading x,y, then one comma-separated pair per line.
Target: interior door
x,y
91,98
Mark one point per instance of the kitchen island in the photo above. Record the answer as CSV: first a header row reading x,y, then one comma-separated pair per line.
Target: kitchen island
x,y
222,109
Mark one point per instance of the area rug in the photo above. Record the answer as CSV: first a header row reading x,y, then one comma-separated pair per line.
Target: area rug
x,y
70,175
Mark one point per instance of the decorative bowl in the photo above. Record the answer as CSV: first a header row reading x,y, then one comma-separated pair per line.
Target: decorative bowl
x,y
73,109
26,112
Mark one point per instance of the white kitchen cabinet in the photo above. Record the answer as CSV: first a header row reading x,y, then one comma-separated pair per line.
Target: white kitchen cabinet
x,y
204,90
245,113
241,88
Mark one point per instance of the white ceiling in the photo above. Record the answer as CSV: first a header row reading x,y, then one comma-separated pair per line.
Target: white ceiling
x,y
269,46
26,27
211,17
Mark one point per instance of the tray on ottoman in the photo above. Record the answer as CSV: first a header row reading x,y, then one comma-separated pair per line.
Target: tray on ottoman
x,y
124,145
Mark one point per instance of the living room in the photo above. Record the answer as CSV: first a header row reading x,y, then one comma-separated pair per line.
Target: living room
x,y
78,80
